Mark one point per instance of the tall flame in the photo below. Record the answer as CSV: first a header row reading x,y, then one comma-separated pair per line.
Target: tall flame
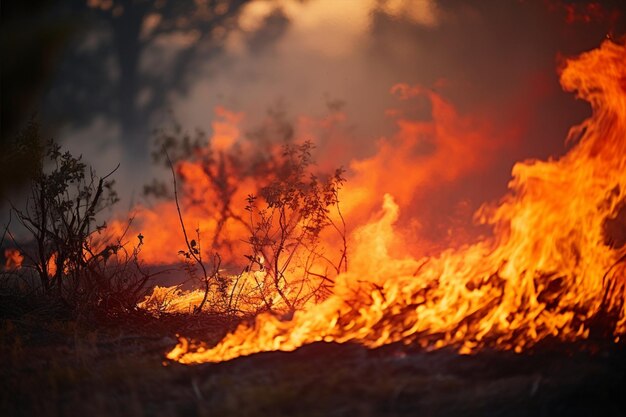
x,y
549,270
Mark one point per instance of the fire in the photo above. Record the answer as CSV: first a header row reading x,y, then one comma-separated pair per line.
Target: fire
x,y
13,259
455,145
160,224
548,271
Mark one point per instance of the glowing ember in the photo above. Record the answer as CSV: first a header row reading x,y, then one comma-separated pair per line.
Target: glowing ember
x,y
547,272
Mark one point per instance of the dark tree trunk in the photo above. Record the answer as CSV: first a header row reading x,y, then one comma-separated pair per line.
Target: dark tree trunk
x,y
128,47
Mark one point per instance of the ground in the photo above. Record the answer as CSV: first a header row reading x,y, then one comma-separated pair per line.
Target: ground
x,y
61,367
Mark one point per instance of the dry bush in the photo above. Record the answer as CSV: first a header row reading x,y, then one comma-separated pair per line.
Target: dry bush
x,y
283,261
285,229
75,262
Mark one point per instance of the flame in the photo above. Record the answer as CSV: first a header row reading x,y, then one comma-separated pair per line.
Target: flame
x,y
549,270
424,154
160,223
171,299
51,266
13,259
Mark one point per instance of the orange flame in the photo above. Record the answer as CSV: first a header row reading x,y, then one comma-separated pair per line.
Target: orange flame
x,y
420,157
548,271
13,259
160,224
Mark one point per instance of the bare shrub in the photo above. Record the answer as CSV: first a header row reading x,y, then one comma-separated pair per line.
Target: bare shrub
x,y
223,172
74,260
285,265
285,230
193,251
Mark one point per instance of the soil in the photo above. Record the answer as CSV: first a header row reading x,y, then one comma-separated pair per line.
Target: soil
x,y
56,367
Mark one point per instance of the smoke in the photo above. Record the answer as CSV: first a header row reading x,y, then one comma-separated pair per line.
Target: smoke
x,y
478,91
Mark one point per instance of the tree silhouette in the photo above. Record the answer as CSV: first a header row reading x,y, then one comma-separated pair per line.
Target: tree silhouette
x,y
103,74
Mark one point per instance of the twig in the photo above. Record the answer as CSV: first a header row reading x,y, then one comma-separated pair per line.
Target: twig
x,y
191,249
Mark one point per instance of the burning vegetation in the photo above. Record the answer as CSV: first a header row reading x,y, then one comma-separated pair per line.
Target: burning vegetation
x,y
284,251
550,269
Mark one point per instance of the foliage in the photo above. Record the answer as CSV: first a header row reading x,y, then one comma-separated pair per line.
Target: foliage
x,y
223,172
123,33
286,225
291,207
74,259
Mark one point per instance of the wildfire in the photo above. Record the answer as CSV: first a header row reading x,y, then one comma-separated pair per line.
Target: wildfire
x,y
549,270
